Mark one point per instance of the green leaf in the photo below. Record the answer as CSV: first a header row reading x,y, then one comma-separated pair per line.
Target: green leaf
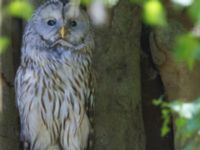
x,y
165,113
4,43
157,102
166,120
110,3
186,49
86,2
194,11
180,122
21,9
154,13
165,130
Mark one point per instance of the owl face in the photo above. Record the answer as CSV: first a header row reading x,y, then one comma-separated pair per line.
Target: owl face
x,y
62,25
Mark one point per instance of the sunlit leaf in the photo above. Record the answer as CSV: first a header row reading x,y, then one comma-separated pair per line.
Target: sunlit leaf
x,y
194,11
165,127
157,102
165,112
86,2
180,122
154,13
186,117
165,130
166,120
108,3
186,49
21,9
4,43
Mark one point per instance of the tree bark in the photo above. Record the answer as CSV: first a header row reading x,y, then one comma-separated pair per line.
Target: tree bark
x,y
118,120
8,112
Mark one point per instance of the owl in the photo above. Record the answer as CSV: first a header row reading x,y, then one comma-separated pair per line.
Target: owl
x,y
54,82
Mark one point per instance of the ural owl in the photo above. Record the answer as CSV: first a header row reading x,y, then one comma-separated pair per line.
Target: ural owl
x,y
54,83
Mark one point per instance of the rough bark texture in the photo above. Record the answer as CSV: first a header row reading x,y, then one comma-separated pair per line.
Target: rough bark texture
x,y
8,113
118,123
118,120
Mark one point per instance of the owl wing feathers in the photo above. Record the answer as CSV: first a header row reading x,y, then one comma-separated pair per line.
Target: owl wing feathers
x,y
35,43
90,110
19,80
18,84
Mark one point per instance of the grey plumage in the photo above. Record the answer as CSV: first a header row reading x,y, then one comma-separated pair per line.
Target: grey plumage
x,y
54,83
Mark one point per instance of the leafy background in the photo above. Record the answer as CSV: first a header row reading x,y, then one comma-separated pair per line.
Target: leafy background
x,y
186,49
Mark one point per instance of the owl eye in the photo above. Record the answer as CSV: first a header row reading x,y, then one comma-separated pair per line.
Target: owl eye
x,y
51,22
72,23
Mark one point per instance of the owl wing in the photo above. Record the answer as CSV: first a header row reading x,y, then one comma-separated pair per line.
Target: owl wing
x,y
90,110
19,81
18,85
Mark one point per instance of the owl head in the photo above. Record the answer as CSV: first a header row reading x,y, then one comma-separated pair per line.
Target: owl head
x,y
57,25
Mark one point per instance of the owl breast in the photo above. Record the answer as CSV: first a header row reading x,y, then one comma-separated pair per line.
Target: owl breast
x,y
54,98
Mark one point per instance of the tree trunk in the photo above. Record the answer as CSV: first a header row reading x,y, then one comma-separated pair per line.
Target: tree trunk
x,y
8,113
118,122
118,119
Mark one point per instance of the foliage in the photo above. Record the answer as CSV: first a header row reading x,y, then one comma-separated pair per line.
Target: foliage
x,y
187,46
15,9
187,49
194,11
185,115
166,112
187,121
108,3
154,13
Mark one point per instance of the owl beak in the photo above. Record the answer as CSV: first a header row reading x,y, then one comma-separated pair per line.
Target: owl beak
x,y
62,32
